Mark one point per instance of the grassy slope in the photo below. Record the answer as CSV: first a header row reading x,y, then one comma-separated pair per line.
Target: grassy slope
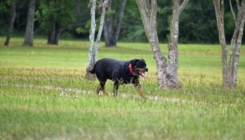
x,y
200,110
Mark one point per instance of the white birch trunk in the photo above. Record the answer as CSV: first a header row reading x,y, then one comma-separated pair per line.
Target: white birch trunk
x,y
92,31
236,40
94,46
102,19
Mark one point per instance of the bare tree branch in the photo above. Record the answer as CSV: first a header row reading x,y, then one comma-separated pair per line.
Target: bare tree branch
x,y
93,48
148,8
232,11
182,6
142,8
102,19
220,5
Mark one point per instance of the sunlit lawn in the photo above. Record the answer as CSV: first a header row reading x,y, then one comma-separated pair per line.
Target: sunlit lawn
x,y
43,95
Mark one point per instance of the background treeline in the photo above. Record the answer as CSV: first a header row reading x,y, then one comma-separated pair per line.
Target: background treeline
x,y
197,21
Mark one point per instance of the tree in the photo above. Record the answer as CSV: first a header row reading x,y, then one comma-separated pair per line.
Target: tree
x,y
198,18
55,16
93,48
11,22
174,35
229,71
112,27
30,24
81,26
167,73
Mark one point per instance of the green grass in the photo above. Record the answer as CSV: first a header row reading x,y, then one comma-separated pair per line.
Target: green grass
x,y
33,106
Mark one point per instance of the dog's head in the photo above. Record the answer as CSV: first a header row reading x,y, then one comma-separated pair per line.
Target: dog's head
x,y
139,67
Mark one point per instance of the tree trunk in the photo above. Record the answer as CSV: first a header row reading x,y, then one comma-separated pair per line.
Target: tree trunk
x,y
93,48
219,11
111,30
57,36
11,22
167,73
174,35
54,35
148,15
91,54
174,31
229,72
236,41
30,24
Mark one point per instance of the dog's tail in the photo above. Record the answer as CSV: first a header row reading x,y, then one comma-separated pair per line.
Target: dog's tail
x,y
92,70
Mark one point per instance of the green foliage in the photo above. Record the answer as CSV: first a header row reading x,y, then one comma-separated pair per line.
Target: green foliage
x,y
87,26
164,12
132,28
197,21
3,7
58,11
21,16
110,12
230,25
80,30
4,14
82,19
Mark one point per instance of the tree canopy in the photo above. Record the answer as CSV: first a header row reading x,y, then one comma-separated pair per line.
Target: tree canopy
x,y
198,21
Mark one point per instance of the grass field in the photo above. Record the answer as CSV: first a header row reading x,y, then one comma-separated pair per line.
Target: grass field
x,y
43,95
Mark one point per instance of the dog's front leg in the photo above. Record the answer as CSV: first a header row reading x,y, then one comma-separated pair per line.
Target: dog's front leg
x,y
139,90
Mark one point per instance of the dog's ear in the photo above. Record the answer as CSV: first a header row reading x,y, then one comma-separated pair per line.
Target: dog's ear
x,y
143,60
133,61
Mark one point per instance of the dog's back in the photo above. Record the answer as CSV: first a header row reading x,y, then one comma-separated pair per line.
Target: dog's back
x,y
106,67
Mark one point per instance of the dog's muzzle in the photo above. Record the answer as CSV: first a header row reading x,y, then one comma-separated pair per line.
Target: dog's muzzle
x,y
142,73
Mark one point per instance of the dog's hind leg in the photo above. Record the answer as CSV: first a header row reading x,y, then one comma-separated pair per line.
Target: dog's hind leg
x,y
98,89
102,87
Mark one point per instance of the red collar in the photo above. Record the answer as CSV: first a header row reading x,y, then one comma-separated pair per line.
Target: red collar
x,y
131,69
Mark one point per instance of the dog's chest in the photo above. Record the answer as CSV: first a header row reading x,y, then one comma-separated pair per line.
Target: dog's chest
x,y
123,76
128,80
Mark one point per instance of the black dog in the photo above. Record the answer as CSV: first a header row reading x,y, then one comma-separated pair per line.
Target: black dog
x,y
121,72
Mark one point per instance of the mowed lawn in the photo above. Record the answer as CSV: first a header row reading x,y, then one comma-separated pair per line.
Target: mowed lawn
x,y
44,95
